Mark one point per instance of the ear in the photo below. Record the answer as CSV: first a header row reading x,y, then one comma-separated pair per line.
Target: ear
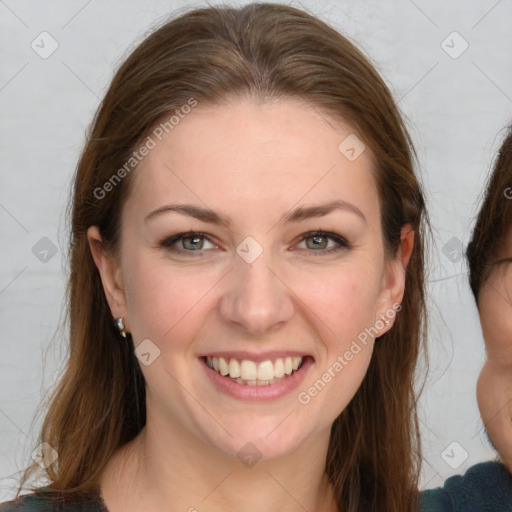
x,y
110,273
393,284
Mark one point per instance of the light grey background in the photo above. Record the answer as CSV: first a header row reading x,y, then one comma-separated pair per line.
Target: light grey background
x,y
456,109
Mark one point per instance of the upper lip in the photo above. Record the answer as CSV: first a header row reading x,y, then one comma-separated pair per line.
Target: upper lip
x,y
259,357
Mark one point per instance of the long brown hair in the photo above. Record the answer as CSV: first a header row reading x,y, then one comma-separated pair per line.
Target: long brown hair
x,y
210,55
494,218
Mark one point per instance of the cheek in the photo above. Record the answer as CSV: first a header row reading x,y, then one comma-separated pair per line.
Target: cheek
x,y
494,394
342,307
162,300
346,306
485,396
345,299
495,303
496,321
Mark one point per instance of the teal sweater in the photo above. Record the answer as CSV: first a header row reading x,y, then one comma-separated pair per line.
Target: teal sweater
x,y
485,487
42,501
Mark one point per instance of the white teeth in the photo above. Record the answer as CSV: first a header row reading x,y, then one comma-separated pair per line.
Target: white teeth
x,y
279,368
255,374
265,370
224,367
234,369
288,366
248,370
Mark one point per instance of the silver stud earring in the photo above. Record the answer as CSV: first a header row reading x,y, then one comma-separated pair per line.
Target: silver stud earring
x,y
385,320
120,326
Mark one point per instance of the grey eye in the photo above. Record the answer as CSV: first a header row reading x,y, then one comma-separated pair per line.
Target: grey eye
x,y
192,242
318,242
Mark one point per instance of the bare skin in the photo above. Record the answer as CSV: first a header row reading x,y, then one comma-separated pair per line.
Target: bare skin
x,y
253,163
494,388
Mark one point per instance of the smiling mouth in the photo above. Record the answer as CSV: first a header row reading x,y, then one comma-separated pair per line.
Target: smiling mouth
x,y
251,373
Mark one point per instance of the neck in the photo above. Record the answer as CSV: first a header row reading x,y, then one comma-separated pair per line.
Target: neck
x,y
156,471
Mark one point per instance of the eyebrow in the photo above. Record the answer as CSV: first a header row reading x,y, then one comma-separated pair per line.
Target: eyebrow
x,y
299,214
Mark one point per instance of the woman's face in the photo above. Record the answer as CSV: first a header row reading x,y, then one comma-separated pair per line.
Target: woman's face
x,y
254,285
494,388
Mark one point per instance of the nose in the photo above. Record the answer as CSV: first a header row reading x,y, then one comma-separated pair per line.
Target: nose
x,y
257,299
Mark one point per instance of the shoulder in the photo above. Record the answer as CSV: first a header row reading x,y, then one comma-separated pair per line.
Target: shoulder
x,y
22,503
485,487
43,500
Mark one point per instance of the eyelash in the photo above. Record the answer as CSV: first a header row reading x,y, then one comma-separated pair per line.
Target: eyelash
x,y
343,244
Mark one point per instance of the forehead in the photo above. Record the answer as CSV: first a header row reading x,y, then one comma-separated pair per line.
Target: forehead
x,y
270,154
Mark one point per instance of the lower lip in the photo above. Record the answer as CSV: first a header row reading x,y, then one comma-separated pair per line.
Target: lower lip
x,y
268,392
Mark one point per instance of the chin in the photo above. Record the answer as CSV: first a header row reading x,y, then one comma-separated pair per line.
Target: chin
x,y
261,439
